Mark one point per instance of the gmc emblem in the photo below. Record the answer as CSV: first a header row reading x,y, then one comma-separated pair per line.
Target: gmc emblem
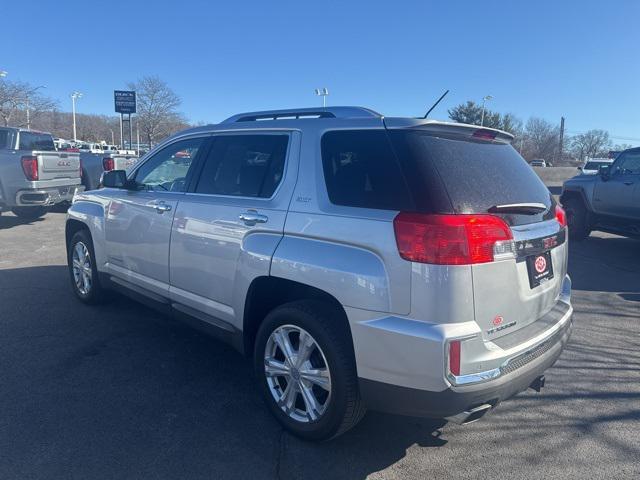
x,y
64,163
550,242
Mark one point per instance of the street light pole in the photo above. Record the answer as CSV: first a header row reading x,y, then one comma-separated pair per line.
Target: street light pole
x,y
27,104
74,96
484,99
324,93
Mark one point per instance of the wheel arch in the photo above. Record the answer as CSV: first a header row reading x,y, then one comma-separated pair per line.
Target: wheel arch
x,y
268,292
575,193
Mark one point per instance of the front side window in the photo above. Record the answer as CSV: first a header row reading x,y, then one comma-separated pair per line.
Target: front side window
x,y
628,163
244,165
167,170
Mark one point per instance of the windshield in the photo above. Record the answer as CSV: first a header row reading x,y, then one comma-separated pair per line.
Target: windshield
x,y
36,141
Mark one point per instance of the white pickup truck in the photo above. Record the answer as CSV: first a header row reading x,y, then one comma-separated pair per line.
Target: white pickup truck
x,y
33,175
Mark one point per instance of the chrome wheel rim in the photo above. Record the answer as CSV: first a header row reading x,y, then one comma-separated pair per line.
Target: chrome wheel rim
x,y
82,273
297,373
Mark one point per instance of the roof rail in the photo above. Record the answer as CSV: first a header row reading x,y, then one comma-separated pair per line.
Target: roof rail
x,y
297,113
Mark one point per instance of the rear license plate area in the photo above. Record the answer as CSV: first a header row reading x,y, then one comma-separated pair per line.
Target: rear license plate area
x,y
539,268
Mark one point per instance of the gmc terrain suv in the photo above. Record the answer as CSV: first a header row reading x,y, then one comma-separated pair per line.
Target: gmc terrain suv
x,y
397,264
608,201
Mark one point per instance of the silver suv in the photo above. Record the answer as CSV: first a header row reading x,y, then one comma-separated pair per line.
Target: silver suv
x,y
397,264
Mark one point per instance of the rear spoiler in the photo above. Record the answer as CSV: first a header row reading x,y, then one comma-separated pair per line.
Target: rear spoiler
x,y
450,128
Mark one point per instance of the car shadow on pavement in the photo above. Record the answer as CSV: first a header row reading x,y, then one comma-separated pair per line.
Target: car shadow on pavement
x,y
9,220
605,264
119,390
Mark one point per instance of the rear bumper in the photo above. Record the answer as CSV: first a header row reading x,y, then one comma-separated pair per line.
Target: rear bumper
x,y
457,399
47,196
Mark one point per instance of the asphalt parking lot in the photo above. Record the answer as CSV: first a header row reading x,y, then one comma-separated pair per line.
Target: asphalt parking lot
x,y
121,392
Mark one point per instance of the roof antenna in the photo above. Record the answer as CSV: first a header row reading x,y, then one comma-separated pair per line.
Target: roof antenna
x,y
435,104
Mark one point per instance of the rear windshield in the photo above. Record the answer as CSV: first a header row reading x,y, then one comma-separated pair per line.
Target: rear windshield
x,y
475,174
36,141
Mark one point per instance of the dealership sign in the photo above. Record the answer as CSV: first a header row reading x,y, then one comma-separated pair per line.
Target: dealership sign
x,y
125,101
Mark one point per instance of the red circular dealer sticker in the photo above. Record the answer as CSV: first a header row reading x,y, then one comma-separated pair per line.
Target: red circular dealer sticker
x,y
541,264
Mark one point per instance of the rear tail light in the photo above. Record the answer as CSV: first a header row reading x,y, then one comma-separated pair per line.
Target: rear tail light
x,y
485,134
455,350
451,239
80,167
561,216
108,164
30,167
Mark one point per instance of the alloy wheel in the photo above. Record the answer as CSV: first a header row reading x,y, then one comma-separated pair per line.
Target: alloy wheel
x,y
297,373
82,272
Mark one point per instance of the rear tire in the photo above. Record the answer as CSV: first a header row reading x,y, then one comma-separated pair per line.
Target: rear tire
x,y
81,261
325,401
29,213
577,218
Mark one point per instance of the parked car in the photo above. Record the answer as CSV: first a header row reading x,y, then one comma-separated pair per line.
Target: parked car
x,y
33,175
608,201
396,264
538,162
592,166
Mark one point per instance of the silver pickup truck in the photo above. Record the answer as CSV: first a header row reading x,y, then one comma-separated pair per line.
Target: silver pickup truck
x,y
95,164
33,175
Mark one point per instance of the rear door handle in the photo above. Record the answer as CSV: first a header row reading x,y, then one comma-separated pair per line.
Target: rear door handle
x,y
251,218
629,182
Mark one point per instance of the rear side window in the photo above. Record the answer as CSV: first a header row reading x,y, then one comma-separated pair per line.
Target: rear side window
x,y
244,165
36,141
361,170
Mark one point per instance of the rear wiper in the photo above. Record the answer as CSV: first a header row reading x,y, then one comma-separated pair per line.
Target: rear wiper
x,y
522,208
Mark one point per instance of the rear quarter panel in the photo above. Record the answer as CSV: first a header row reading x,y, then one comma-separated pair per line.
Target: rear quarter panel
x,y
90,209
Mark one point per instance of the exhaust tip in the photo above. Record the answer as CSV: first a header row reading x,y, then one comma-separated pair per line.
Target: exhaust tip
x,y
469,416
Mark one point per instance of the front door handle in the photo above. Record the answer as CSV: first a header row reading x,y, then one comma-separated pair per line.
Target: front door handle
x,y
252,217
160,207
630,182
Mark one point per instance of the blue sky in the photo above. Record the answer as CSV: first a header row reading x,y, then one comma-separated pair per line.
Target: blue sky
x,y
536,58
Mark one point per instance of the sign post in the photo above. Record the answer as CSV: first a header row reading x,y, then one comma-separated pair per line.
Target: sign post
x,y
125,104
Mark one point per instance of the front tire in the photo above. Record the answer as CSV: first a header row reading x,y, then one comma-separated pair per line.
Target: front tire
x,y
577,218
82,269
306,369
29,213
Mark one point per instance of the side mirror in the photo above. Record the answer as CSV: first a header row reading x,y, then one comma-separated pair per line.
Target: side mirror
x,y
114,179
604,171
580,168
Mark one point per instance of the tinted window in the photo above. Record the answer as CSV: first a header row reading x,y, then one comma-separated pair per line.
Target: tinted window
x,y
167,170
244,165
4,139
36,141
594,165
476,175
628,163
361,170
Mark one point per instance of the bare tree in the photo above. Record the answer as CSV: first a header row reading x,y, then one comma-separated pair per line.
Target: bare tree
x,y
594,143
541,139
157,108
16,98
